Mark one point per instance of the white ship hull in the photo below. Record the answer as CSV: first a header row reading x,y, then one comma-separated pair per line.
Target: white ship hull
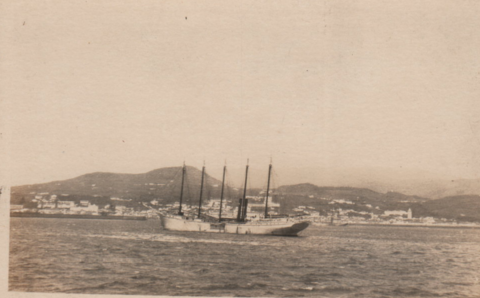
x,y
275,228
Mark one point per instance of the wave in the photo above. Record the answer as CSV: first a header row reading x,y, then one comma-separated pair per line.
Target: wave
x,y
172,239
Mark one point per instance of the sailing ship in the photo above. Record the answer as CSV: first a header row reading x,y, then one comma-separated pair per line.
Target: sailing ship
x,y
241,225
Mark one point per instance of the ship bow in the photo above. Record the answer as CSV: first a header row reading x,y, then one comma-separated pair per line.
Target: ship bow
x,y
293,230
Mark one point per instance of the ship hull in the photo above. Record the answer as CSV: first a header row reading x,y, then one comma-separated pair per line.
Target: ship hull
x,y
178,223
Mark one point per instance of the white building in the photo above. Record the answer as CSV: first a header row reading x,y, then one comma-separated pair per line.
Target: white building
x,y
395,213
46,205
84,203
65,204
314,213
87,208
341,201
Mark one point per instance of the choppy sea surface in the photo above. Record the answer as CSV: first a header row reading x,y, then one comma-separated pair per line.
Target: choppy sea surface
x,y
139,257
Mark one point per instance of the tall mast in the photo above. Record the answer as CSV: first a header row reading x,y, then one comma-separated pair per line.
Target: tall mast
x,y
201,191
245,186
221,194
243,204
181,190
268,189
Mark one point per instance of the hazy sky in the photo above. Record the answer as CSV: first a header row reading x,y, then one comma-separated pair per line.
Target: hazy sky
x,y
130,86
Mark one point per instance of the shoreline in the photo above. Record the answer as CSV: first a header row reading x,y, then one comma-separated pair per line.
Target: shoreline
x,y
417,225
318,224
76,216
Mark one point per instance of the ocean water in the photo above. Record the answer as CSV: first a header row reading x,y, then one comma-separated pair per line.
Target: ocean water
x,y
138,257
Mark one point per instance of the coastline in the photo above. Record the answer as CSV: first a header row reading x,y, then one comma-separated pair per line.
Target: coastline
x,y
406,225
320,224
77,216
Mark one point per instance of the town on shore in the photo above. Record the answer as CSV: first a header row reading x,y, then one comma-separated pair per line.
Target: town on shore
x,y
52,204
147,194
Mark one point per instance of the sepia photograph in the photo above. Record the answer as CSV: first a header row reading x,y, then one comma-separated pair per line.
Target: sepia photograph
x,y
240,148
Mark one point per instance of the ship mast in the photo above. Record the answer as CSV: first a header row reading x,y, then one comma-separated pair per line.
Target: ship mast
x,y
245,186
243,204
221,194
181,190
201,191
268,188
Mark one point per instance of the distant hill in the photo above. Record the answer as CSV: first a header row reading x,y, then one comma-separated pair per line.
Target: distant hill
x,y
359,199
163,184
461,208
350,192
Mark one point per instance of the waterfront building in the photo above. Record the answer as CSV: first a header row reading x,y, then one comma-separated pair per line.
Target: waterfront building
x,y
398,213
65,204
46,205
89,208
84,203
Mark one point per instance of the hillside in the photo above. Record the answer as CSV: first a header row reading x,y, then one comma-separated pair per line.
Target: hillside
x,y
358,199
460,208
163,184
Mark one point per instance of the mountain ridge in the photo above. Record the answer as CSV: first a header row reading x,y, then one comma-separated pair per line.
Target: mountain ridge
x,y
163,184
